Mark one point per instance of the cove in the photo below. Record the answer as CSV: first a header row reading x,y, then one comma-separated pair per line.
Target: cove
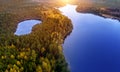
x,y
25,27
94,44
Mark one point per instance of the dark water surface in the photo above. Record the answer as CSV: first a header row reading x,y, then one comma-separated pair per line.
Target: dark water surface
x,y
94,44
25,27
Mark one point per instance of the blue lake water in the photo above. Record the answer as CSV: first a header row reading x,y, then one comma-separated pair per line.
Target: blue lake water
x,y
25,27
94,44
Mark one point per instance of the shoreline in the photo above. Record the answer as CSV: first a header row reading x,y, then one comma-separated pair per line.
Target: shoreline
x,y
107,12
45,40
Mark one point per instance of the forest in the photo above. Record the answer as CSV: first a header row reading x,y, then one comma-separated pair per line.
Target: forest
x,y
103,9
39,51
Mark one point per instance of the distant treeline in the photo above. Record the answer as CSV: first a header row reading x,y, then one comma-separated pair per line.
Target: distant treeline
x,y
99,9
110,3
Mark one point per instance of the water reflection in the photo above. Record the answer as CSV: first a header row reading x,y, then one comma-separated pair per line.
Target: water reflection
x,y
94,44
25,27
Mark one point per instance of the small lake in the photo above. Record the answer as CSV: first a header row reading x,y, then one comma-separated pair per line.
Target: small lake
x,y
94,44
25,27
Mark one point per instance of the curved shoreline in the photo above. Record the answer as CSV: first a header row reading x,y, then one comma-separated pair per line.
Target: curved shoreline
x,y
106,12
45,40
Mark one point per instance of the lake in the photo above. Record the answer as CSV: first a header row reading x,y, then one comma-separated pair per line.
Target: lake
x,y
25,27
94,44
